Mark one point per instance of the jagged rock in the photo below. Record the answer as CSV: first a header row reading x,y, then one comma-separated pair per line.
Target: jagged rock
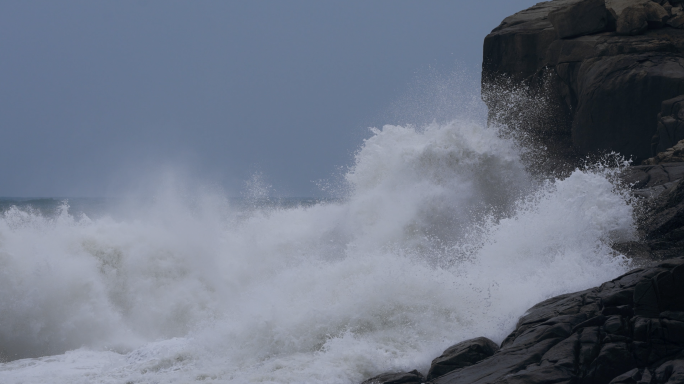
x,y
619,98
663,225
617,6
656,15
671,372
676,19
413,377
670,126
633,20
582,18
670,155
649,176
462,355
589,337
610,86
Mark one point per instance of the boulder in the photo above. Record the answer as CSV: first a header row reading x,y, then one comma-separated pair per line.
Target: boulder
x,y
676,19
628,330
670,155
617,6
462,355
413,377
633,20
656,15
582,18
663,223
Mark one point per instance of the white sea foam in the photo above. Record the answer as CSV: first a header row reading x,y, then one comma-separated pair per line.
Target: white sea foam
x,y
443,237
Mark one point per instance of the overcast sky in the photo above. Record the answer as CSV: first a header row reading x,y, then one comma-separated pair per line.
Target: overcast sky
x,y
94,94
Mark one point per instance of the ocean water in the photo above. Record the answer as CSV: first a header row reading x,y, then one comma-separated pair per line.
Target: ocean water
x,y
441,235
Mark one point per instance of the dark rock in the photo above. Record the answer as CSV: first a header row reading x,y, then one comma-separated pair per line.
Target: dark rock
x,y
633,21
674,154
616,325
413,377
623,297
609,87
613,360
630,377
565,339
663,223
619,98
671,372
582,18
670,129
676,20
462,355
656,15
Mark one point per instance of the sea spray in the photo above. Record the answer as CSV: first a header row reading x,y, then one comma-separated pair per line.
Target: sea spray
x,y
444,236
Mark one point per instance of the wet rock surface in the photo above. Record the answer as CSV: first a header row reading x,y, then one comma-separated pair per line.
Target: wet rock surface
x,y
413,377
670,130
609,82
663,224
661,220
630,329
461,355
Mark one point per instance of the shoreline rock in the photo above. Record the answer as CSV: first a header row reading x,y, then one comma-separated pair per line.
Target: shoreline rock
x,y
608,87
612,75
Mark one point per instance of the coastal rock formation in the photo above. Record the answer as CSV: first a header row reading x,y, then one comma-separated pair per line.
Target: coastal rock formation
x,y
413,377
670,129
628,330
612,72
670,155
461,355
607,78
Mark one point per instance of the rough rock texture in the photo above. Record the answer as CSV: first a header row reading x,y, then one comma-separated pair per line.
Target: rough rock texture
x,y
581,18
663,223
630,329
462,355
617,6
649,176
413,377
670,125
633,20
609,86
670,155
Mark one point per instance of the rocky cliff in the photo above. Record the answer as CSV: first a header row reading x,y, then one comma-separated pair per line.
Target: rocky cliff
x,y
608,75
608,66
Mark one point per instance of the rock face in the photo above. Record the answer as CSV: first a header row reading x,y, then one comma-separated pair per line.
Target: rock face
x,y
663,224
609,86
413,377
461,355
628,330
670,155
615,70
670,126
580,18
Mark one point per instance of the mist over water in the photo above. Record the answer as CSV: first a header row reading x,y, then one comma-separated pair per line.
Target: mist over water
x,y
442,236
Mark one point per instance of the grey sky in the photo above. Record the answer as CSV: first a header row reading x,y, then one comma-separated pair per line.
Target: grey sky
x,y
95,93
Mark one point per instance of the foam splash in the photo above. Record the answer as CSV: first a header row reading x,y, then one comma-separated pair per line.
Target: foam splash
x,y
443,237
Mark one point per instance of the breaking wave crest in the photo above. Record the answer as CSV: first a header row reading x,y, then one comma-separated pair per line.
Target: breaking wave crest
x,y
443,236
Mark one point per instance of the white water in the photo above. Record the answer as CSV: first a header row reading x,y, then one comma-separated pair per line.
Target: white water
x,y
443,237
